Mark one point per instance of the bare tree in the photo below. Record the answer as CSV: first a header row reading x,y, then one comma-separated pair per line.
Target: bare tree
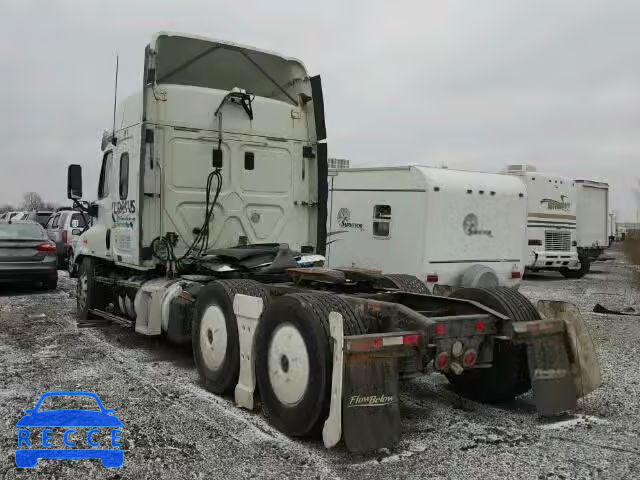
x,y
32,201
7,208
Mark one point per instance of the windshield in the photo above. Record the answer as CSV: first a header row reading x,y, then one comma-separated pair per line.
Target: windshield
x,y
22,231
201,63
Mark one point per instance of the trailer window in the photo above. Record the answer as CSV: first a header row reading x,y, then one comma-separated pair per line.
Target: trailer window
x,y
382,221
105,173
124,176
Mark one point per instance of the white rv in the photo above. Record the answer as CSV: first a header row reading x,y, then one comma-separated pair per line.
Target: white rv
x,y
592,216
551,221
450,228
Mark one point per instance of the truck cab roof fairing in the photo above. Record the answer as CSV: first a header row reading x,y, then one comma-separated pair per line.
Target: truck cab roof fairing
x,y
202,62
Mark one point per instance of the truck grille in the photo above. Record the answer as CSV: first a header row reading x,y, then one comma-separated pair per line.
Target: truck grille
x,y
557,241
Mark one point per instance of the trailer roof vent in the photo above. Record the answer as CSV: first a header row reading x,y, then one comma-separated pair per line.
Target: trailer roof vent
x,y
520,168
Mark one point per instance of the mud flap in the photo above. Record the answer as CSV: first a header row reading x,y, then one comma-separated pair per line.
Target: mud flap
x,y
364,407
582,353
549,368
248,310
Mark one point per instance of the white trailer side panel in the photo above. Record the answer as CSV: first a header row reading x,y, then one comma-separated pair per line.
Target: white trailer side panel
x,y
591,213
356,238
441,222
474,218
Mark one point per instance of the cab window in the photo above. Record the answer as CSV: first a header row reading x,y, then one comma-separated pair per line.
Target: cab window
x,y
105,175
124,176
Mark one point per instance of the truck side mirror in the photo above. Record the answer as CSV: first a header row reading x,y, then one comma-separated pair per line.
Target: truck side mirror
x,y
216,158
74,182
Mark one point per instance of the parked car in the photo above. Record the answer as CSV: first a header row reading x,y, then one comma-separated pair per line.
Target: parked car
x,y
15,215
40,216
61,228
27,254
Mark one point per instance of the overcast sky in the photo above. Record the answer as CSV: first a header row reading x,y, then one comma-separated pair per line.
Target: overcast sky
x,y
468,84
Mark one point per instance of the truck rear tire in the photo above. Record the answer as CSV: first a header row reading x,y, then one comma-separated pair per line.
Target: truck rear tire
x,y
216,347
293,354
509,374
407,283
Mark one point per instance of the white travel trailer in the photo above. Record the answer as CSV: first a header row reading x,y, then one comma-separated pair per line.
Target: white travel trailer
x,y
551,221
592,216
451,228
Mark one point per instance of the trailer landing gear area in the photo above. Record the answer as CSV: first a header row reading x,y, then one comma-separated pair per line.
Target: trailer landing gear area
x,y
330,363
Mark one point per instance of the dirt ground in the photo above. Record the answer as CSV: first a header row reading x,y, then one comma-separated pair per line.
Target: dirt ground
x,y
174,429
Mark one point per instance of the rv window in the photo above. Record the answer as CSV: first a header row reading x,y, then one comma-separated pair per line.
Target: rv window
x,y
105,173
382,212
124,176
382,221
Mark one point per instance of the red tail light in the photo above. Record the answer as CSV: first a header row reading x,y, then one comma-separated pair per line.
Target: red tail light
x,y
480,326
470,358
46,248
411,340
432,278
440,329
442,360
516,275
65,237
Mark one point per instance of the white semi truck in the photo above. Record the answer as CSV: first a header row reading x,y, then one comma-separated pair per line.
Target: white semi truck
x,y
450,228
209,227
592,220
551,222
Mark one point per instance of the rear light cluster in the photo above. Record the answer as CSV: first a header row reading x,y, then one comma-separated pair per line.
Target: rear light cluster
x,y
46,248
432,278
516,275
443,360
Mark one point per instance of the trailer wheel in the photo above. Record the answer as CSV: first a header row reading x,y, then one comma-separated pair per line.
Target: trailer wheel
x,y
216,348
407,283
509,375
88,294
294,360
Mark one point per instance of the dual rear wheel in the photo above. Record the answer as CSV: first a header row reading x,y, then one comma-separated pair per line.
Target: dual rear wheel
x,y
292,347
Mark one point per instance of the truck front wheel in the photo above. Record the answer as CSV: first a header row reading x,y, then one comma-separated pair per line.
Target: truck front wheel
x,y
88,295
509,373
216,348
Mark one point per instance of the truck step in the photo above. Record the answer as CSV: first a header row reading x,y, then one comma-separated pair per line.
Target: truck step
x,y
125,322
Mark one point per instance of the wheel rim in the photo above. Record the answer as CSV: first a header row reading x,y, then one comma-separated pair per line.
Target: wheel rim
x,y
288,364
213,337
83,288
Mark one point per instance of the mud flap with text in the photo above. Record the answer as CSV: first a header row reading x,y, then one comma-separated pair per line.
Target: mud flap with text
x,y
549,368
364,407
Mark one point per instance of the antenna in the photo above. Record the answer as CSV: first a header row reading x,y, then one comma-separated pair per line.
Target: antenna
x,y
115,103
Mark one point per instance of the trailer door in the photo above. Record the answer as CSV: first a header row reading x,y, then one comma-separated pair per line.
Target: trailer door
x,y
592,216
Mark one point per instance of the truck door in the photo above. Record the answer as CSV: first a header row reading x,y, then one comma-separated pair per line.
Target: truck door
x,y
103,220
125,201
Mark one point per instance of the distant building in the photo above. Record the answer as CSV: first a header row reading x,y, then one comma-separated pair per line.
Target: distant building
x,y
628,229
336,163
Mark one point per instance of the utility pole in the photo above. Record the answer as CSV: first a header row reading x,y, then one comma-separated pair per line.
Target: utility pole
x,y
612,216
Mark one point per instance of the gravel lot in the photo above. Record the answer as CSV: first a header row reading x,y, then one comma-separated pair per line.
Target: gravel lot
x,y
174,429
